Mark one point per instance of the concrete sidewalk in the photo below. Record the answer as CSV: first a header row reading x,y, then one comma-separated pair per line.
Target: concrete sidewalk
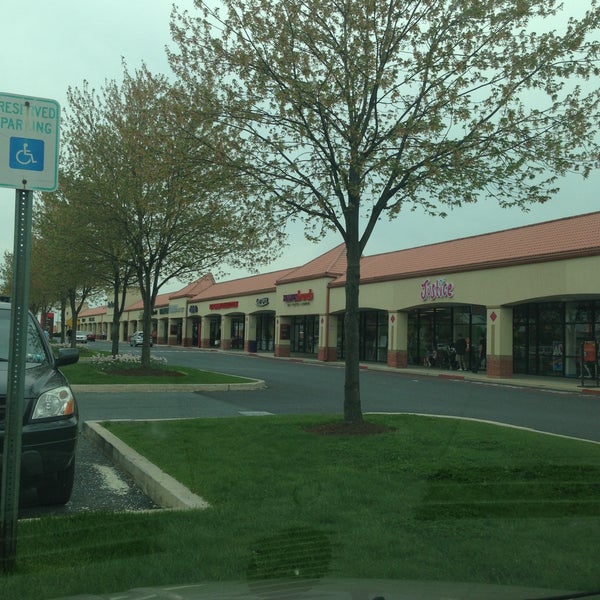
x,y
562,384
533,381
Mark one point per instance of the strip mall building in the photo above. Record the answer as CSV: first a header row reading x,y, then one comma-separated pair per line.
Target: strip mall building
x,y
532,294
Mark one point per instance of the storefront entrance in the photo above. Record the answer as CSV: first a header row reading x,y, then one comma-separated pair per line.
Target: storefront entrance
x,y
215,332
433,331
305,334
548,337
237,333
373,336
265,332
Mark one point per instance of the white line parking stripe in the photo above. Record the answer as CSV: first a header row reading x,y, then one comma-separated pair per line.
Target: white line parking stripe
x,y
111,479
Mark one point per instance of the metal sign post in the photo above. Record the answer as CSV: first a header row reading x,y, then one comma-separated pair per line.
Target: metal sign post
x,y
29,132
11,456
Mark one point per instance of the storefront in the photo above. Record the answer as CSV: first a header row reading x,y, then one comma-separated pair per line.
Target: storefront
x,y
432,332
525,300
265,332
304,333
549,336
237,333
373,336
214,329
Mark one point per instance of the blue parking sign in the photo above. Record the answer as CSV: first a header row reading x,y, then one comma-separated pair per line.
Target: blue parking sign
x,y
26,153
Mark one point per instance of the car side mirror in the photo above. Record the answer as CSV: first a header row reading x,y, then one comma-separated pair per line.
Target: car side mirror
x,y
66,356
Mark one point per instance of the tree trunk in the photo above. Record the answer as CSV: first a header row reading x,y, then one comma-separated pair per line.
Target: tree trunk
x,y
114,336
352,403
114,326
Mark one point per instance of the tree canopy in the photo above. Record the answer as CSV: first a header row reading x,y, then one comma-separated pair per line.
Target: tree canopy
x,y
152,191
348,112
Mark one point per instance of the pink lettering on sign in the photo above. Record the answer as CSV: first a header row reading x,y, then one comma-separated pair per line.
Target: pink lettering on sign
x,y
299,296
433,290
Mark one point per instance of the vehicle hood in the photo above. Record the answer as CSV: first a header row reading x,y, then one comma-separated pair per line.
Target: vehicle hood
x,y
38,378
334,589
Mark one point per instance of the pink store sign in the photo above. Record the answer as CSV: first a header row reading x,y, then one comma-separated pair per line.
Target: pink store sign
x,y
434,290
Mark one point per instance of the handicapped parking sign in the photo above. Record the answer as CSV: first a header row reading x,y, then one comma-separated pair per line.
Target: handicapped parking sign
x,y
26,153
29,136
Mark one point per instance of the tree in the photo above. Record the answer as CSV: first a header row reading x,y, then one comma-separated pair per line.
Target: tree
x,y
146,163
6,274
99,241
64,271
347,112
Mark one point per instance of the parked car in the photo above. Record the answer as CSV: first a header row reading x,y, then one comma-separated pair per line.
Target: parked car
x,y
137,339
91,337
50,414
81,337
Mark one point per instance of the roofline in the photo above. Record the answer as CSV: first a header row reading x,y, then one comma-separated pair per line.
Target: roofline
x,y
330,274
234,294
479,266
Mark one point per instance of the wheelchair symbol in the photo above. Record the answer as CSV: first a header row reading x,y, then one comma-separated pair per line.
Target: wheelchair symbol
x,y
26,154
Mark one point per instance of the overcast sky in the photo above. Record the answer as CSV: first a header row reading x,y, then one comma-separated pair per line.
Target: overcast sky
x,y
49,46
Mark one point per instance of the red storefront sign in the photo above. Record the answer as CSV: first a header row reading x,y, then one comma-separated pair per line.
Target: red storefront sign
x,y
223,305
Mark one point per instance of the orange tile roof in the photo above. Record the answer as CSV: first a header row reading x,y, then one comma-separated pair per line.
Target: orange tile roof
x,y
161,300
92,312
195,288
254,284
331,264
570,237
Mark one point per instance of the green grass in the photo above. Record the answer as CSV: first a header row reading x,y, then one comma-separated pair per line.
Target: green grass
x,y
87,373
437,499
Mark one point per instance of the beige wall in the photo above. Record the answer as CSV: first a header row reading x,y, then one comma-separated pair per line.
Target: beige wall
x,y
490,287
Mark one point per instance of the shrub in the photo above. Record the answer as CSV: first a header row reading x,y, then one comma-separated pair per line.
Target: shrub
x,y
125,361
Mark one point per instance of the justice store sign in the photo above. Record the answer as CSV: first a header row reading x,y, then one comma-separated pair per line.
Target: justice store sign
x,y
436,290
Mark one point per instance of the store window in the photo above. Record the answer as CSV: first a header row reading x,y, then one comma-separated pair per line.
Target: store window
x,y
548,336
305,334
237,333
215,331
265,332
432,332
373,336
582,325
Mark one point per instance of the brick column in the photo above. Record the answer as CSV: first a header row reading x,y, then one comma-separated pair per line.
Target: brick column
x,y
327,338
397,355
225,332
205,333
499,342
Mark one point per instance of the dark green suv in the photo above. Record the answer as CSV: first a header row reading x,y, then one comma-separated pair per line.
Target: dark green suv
x,y
50,415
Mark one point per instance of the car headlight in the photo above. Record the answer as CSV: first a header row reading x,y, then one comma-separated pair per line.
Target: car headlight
x,y
58,402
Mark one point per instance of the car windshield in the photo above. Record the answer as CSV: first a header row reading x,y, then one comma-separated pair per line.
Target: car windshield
x,y
36,351
331,273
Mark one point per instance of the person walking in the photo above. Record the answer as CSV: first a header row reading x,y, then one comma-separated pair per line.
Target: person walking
x,y
461,347
482,353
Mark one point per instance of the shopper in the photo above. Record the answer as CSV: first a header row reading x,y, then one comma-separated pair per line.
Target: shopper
x,y
461,347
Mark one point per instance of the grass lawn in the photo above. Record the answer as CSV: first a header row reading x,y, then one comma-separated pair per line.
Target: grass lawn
x,y
435,499
88,373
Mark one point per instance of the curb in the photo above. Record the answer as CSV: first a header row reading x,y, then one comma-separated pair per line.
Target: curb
x,y
164,491
257,384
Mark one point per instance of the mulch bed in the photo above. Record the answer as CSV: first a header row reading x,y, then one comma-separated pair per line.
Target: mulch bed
x,y
345,428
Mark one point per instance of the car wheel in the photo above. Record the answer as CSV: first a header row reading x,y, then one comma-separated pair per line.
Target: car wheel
x,y
59,489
